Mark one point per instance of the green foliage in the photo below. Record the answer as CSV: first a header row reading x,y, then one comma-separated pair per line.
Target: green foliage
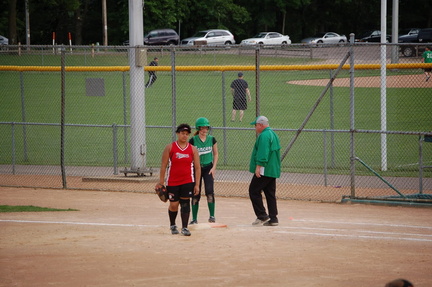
x,y
297,18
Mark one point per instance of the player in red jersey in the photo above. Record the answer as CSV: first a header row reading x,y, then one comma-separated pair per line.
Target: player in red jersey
x,y
184,172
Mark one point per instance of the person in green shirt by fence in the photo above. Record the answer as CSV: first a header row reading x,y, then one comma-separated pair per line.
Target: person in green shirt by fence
x,y
427,56
265,164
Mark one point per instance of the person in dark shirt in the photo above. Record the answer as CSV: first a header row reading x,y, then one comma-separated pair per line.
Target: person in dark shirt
x,y
239,90
152,74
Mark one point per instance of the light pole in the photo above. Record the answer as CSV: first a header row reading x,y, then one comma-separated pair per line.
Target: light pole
x,y
104,23
27,21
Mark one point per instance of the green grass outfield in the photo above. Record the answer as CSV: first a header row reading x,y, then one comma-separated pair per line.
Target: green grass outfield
x,y
200,94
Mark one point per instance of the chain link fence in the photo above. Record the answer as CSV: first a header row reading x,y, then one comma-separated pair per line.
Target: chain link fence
x,y
344,132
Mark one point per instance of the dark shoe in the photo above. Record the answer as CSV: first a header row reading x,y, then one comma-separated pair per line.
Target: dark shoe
x,y
185,232
174,229
193,222
427,78
271,223
260,221
212,219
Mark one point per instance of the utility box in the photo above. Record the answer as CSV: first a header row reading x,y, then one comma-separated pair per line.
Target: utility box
x,y
140,57
95,87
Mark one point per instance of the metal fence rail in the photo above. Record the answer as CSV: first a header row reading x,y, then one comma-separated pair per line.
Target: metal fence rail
x,y
192,82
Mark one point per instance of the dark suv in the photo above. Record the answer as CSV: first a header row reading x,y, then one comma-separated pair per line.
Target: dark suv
x,y
160,37
424,38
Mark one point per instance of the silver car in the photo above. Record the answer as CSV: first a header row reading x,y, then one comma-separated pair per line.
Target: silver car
x,y
325,38
4,40
210,37
267,38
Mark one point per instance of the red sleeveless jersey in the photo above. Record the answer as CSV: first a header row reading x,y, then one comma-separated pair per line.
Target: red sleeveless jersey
x,y
180,169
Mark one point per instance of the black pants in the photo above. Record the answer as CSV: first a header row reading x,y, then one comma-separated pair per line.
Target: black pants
x,y
151,80
208,185
268,186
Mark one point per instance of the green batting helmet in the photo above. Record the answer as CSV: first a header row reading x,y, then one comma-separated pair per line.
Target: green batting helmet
x,y
202,122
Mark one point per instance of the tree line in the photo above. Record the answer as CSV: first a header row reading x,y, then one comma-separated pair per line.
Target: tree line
x,y
244,18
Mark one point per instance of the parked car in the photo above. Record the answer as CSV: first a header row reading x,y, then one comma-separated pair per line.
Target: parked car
x,y
424,37
267,38
160,37
210,37
408,32
372,36
408,35
325,38
4,40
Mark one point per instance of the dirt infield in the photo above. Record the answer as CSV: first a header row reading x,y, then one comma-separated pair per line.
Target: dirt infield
x,y
403,81
122,239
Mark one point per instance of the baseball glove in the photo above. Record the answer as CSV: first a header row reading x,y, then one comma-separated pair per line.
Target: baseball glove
x,y
162,192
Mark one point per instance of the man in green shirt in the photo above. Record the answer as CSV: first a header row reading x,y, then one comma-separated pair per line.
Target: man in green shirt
x,y
427,56
265,164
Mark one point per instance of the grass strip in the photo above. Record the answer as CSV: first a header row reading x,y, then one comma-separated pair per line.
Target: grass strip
x,y
30,208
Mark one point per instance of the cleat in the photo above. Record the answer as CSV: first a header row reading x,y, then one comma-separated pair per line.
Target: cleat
x,y
427,78
193,222
185,231
260,221
174,229
212,219
271,223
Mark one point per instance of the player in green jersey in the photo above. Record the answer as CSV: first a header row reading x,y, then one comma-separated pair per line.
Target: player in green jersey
x,y
208,152
427,56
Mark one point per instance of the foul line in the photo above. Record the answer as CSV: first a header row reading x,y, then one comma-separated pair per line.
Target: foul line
x,y
78,223
364,223
357,236
276,229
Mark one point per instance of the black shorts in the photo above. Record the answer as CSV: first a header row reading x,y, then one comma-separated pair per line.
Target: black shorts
x,y
428,70
240,103
177,191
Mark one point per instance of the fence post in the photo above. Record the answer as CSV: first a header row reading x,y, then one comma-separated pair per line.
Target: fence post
x,y
420,165
352,150
332,122
13,149
257,80
224,117
325,157
62,121
23,116
125,118
174,95
115,150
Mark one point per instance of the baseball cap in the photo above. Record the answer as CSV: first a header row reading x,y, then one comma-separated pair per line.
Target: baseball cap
x,y
260,120
240,74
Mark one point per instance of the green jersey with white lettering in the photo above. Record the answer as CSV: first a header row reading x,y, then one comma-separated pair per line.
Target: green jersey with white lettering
x,y
205,148
427,55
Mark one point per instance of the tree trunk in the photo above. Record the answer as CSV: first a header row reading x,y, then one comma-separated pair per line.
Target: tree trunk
x,y
78,27
12,22
80,15
283,22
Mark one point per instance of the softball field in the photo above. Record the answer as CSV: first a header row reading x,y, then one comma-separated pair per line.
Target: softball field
x,y
123,239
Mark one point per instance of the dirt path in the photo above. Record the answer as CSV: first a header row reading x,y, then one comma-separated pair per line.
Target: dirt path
x,y
122,239
404,81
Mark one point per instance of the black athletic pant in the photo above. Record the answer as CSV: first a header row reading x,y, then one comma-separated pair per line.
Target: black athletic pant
x,y
208,185
268,186
151,80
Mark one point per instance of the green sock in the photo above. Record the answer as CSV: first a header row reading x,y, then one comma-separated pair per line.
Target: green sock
x,y
211,206
195,211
